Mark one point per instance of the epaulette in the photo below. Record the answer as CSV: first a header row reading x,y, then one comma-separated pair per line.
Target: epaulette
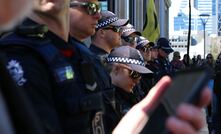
x,y
32,30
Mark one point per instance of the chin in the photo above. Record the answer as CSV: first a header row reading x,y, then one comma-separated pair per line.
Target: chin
x,y
92,32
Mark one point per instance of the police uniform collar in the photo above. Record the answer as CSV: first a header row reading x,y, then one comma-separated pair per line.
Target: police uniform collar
x,y
57,41
54,38
97,50
126,96
30,28
80,46
74,40
122,92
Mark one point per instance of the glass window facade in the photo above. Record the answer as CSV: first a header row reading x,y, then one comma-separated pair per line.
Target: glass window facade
x,y
181,21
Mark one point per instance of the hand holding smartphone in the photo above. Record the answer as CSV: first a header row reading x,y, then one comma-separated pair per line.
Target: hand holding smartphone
x,y
186,87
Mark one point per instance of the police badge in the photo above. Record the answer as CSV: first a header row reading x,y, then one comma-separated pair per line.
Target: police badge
x,y
16,71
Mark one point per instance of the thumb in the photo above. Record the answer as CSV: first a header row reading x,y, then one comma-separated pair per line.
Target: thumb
x,y
137,117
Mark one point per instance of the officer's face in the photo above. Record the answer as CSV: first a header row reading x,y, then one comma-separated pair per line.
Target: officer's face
x,y
123,79
146,54
83,23
154,53
130,40
112,37
12,11
162,53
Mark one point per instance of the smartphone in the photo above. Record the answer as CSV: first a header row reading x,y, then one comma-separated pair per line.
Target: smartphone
x,y
186,87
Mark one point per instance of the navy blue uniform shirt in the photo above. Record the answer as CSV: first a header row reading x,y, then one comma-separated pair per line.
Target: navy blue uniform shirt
x,y
57,90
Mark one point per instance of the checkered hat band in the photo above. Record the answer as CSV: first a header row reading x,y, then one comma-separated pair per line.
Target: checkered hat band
x,y
128,30
125,60
106,22
141,42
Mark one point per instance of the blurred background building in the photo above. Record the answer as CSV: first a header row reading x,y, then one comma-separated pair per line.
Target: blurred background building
x,y
179,22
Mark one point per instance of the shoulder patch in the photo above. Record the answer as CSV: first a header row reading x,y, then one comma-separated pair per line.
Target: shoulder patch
x,y
64,73
16,71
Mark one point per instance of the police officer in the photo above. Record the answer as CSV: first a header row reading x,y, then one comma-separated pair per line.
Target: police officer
x,y
129,38
31,50
107,35
39,61
152,64
146,47
93,83
164,66
66,100
11,12
129,35
126,64
40,64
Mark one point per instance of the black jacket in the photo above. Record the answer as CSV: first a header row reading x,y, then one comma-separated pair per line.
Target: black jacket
x,y
51,75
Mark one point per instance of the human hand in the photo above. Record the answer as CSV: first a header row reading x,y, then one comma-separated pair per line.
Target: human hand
x,y
189,118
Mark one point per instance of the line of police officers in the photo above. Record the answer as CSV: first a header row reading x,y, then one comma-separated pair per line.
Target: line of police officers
x,y
66,83
31,39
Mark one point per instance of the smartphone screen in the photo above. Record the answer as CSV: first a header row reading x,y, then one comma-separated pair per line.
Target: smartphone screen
x,y
186,87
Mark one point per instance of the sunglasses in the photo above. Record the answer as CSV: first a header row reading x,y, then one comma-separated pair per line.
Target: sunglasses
x,y
129,39
91,7
146,49
209,57
115,29
134,74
